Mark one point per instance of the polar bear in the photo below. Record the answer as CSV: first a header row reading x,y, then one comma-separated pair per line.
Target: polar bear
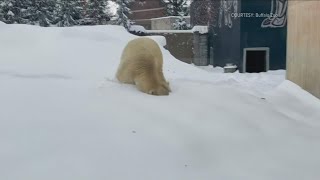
x,y
141,64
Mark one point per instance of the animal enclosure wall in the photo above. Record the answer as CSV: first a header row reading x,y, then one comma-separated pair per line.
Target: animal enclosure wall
x,y
303,49
180,45
166,23
236,25
267,32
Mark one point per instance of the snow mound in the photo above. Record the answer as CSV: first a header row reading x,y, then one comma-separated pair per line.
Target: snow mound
x,y
64,116
289,98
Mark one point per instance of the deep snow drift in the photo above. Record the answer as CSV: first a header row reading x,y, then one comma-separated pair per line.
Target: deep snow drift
x,y
64,116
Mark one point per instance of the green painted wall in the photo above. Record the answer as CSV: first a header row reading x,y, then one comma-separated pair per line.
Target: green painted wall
x,y
229,36
254,35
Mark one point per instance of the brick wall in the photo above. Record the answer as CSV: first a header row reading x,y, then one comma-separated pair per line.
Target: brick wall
x,y
144,10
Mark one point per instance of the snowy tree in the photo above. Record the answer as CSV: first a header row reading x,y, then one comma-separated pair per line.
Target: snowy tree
x,y
27,11
176,7
56,12
179,8
39,12
11,11
97,12
5,12
69,12
122,13
181,24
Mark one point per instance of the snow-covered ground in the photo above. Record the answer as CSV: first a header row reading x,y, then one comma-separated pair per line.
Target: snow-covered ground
x,y
64,116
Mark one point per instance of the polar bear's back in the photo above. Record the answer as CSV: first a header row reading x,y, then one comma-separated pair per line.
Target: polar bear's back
x,y
141,64
142,47
141,55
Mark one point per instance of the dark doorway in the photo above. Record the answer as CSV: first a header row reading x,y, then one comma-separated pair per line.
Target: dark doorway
x,y
256,61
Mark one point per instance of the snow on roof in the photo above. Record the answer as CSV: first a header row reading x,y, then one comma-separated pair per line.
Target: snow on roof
x,y
212,126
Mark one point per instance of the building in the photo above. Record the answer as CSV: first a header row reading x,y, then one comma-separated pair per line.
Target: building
x,y
201,11
247,33
144,10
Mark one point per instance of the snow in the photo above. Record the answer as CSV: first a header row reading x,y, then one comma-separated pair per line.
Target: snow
x,y
10,13
231,66
64,116
137,28
169,31
112,6
169,17
200,29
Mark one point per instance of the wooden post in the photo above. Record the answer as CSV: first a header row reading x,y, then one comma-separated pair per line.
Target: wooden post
x,y
303,45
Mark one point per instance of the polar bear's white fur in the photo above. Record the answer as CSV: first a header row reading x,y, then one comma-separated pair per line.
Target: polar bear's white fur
x,y
141,64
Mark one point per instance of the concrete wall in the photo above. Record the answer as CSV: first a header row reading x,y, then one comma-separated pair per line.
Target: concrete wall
x,y
146,23
180,45
166,23
200,49
185,45
303,48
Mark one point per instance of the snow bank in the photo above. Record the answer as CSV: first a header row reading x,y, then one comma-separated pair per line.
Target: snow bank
x,y
296,103
64,116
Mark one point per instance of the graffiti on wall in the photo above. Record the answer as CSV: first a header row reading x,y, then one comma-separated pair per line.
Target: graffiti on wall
x,y
278,14
226,9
